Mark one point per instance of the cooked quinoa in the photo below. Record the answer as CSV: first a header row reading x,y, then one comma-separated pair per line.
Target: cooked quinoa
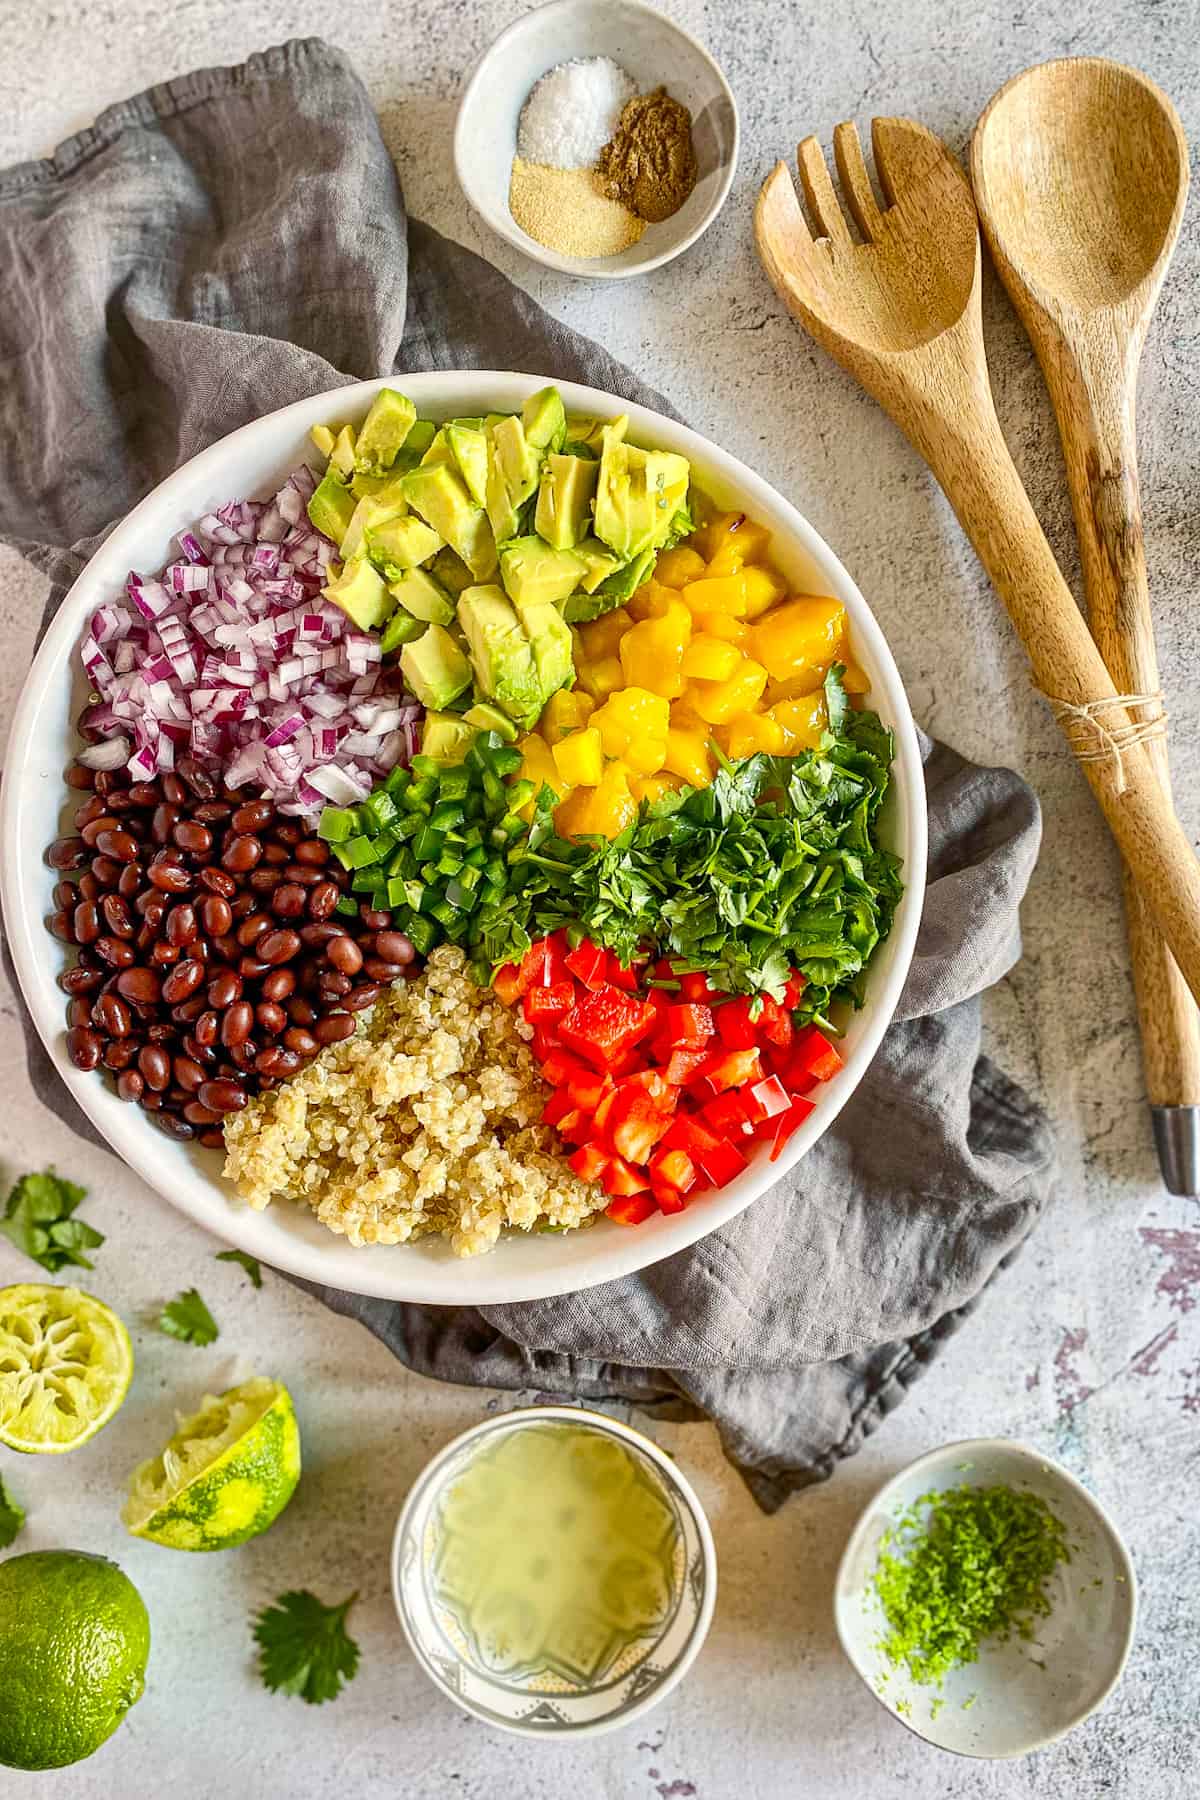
x,y
426,1121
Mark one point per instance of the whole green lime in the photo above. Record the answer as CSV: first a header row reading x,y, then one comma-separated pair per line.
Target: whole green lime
x,y
74,1641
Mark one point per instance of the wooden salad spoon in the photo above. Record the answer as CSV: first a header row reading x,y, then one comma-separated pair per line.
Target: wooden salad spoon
x,y
1080,170
901,312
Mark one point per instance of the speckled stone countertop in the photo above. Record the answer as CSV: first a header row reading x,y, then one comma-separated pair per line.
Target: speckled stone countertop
x,y
1089,1348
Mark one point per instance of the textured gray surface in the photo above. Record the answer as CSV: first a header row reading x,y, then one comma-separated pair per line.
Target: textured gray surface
x,y
1089,1349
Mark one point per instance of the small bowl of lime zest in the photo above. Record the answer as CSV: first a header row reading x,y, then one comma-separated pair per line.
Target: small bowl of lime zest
x,y
1026,1549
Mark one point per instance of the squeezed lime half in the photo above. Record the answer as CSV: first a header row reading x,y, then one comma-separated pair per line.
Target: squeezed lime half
x,y
226,1474
65,1367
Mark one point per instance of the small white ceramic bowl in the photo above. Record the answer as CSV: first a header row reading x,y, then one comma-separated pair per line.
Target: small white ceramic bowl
x,y
1019,1695
657,53
252,462
578,1677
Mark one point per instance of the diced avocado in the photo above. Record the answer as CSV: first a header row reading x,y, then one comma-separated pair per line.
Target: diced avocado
x,y
638,492
420,437
451,571
551,642
585,431
423,597
598,563
501,654
370,512
401,629
341,456
438,492
486,717
435,668
564,499
438,450
323,438
331,507
492,419
401,544
360,592
469,446
473,424
447,737
511,477
383,431
380,487
531,570
545,420
615,588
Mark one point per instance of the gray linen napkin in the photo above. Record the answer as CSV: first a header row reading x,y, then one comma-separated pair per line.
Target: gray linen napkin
x,y
233,240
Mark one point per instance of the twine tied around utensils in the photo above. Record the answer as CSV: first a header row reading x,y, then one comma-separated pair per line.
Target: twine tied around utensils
x,y
1093,740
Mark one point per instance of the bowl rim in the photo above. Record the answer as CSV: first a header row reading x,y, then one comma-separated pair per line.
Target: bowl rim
x,y
518,1418
132,1137
1022,1453
505,226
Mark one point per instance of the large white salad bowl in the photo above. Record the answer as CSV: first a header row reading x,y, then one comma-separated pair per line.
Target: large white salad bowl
x,y
250,463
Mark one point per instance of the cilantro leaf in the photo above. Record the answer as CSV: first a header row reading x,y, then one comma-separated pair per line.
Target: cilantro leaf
x,y
12,1517
305,1647
37,1219
188,1318
250,1263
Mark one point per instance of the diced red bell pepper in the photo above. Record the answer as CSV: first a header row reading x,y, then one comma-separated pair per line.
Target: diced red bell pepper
x,y
793,990
545,1041
775,1023
695,987
559,1068
604,1025
765,1099
675,1167
814,1055
545,962
668,1199
688,1026
727,1115
631,1209
577,1127
730,1069
690,1134
621,1178
735,1028
588,1089
507,984
636,1123
652,1082
683,1065
559,1106
620,977
723,1163
543,1003
601,1114
787,1122
589,1162
588,963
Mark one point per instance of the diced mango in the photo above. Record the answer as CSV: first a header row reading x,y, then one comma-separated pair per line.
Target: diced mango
x,y
715,533
684,717
538,766
855,679
651,600
689,757
651,651
801,721
727,561
600,679
600,811
675,568
653,787
722,625
721,593
580,758
764,588
633,725
599,637
710,658
564,712
800,639
720,701
749,733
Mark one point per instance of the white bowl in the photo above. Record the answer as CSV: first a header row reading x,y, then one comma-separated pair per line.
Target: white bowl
x,y
657,53
571,1686
1025,1693
253,462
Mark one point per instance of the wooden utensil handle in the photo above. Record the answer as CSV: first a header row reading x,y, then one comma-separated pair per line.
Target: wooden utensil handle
x,y
959,435
1094,399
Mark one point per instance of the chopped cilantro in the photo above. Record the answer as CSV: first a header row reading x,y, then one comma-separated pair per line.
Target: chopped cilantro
x,y
188,1318
305,1647
250,1263
12,1517
970,1563
37,1218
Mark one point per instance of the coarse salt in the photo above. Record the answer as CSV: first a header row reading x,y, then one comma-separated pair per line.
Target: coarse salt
x,y
573,111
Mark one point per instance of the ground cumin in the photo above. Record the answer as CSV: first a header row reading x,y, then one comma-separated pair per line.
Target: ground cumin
x,y
650,164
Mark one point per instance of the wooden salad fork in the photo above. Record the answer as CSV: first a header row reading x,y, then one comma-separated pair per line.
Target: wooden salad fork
x,y
901,312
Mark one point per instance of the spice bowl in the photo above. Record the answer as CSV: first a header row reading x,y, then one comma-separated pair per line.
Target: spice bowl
x,y
490,1595
1021,1693
656,53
